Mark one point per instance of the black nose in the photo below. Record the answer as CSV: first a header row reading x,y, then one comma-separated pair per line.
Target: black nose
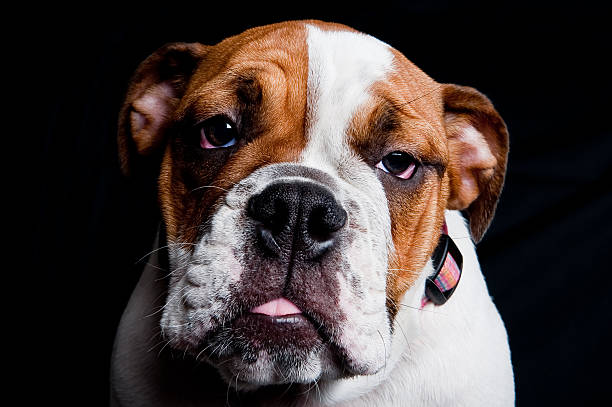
x,y
298,217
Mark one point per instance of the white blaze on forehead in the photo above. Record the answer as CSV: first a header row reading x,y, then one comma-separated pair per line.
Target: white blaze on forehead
x,y
342,66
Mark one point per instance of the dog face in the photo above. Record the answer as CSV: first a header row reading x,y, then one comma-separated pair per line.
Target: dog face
x,y
305,170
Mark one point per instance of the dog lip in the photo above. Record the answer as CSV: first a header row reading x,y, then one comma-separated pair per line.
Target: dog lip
x,y
284,319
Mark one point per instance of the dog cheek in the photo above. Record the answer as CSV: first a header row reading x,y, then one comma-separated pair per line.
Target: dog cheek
x,y
173,322
363,289
366,336
199,292
223,266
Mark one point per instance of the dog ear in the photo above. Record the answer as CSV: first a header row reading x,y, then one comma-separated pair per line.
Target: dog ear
x,y
478,145
154,92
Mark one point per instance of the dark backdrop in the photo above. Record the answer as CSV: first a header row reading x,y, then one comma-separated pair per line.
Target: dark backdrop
x,y
544,257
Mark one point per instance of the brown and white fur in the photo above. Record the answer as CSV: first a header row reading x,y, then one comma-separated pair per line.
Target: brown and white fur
x,y
316,105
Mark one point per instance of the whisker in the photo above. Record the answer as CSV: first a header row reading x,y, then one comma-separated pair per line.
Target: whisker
x,y
229,386
318,390
421,309
161,248
188,264
435,88
156,267
208,186
385,349
152,348
167,301
403,333
203,350
164,347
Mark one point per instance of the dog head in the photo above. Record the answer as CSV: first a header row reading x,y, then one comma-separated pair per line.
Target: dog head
x,y
305,171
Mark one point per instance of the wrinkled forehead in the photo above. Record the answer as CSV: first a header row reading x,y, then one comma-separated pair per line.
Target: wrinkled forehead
x,y
327,73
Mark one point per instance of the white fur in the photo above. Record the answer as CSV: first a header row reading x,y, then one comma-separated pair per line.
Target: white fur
x,y
342,66
201,277
456,354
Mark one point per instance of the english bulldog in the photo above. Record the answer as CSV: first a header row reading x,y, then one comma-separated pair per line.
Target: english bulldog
x,y
321,197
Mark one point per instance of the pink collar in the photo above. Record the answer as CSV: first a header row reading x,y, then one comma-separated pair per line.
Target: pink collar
x,y
447,261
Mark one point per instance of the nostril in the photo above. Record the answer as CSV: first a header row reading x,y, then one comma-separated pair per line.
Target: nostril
x,y
267,241
251,207
325,220
335,218
279,218
272,213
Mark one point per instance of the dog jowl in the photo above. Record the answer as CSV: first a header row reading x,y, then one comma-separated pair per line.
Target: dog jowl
x,y
306,174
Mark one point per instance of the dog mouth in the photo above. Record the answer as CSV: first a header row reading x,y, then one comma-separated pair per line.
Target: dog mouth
x,y
275,334
277,326
273,343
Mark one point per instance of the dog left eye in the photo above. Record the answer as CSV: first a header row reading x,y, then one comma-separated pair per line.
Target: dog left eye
x,y
399,164
217,132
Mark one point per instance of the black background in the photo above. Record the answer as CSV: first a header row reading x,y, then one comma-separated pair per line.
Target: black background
x,y
545,256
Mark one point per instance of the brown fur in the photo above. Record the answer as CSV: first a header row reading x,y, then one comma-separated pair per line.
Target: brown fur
x,y
172,65
276,136
412,113
406,112
470,107
250,76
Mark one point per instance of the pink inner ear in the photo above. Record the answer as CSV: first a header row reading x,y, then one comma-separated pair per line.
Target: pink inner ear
x,y
150,113
137,121
472,161
476,153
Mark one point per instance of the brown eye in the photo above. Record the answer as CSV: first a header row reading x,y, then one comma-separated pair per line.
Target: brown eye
x,y
217,132
399,164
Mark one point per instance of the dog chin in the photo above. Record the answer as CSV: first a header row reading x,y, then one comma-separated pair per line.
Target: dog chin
x,y
271,369
259,350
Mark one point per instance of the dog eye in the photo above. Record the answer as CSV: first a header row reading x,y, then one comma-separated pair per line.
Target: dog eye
x,y
399,164
217,132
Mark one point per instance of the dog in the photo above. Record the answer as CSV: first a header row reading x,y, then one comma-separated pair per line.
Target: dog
x,y
321,197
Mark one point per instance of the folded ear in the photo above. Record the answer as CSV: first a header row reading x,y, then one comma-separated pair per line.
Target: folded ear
x,y
153,94
478,144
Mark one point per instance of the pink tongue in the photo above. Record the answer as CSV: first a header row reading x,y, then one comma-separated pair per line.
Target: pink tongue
x,y
276,308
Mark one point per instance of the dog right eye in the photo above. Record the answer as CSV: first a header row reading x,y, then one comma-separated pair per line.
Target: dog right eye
x,y
399,164
217,132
